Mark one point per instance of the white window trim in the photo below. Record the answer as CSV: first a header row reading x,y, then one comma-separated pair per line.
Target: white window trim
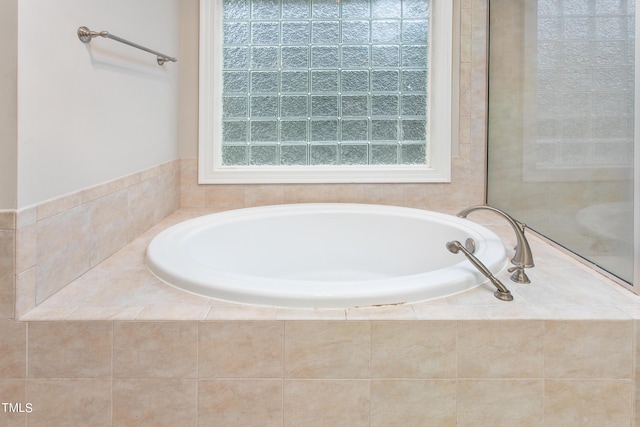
x,y
442,109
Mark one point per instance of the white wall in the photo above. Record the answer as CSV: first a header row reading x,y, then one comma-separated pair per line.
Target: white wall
x,y
8,110
89,113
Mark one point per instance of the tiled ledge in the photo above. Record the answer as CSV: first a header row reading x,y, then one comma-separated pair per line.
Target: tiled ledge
x,y
121,288
60,240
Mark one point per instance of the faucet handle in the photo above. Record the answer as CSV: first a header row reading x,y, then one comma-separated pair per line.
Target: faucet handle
x,y
519,276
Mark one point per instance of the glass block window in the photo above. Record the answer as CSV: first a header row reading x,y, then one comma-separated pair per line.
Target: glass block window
x,y
584,84
325,82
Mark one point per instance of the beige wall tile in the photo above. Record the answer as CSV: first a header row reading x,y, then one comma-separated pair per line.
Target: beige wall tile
x,y
413,403
27,216
155,349
383,194
224,197
7,273
321,403
241,349
587,403
500,403
63,250
169,196
7,251
465,90
25,295
153,198
13,391
326,349
69,402
340,193
224,403
109,225
191,194
26,247
64,237
154,402
500,349
8,219
59,205
13,349
131,257
425,196
70,349
7,296
260,195
92,193
588,349
306,193
413,349
142,198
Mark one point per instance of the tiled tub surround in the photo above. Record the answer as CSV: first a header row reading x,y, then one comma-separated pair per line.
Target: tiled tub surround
x,y
108,349
60,240
116,346
101,220
121,288
319,373
562,353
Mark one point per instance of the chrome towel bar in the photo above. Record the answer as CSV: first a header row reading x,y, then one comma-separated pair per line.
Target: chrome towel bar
x,y
86,35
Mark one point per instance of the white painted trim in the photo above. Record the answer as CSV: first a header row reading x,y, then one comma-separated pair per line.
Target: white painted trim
x,y
442,99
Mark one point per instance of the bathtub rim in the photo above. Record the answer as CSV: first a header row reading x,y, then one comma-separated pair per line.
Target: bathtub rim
x,y
258,291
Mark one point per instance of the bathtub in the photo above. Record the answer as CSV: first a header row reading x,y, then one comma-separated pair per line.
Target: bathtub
x,y
322,255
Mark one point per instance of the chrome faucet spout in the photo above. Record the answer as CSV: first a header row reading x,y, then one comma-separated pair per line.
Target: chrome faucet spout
x,y
523,257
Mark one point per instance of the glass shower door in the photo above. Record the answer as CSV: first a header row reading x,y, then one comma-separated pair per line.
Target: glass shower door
x,y
562,115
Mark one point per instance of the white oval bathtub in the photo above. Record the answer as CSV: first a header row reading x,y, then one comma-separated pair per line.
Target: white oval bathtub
x,y
322,255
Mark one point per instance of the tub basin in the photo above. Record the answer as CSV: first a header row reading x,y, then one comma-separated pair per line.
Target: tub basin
x,y
322,255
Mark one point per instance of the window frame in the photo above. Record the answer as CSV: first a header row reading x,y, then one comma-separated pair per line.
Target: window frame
x,y
442,114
